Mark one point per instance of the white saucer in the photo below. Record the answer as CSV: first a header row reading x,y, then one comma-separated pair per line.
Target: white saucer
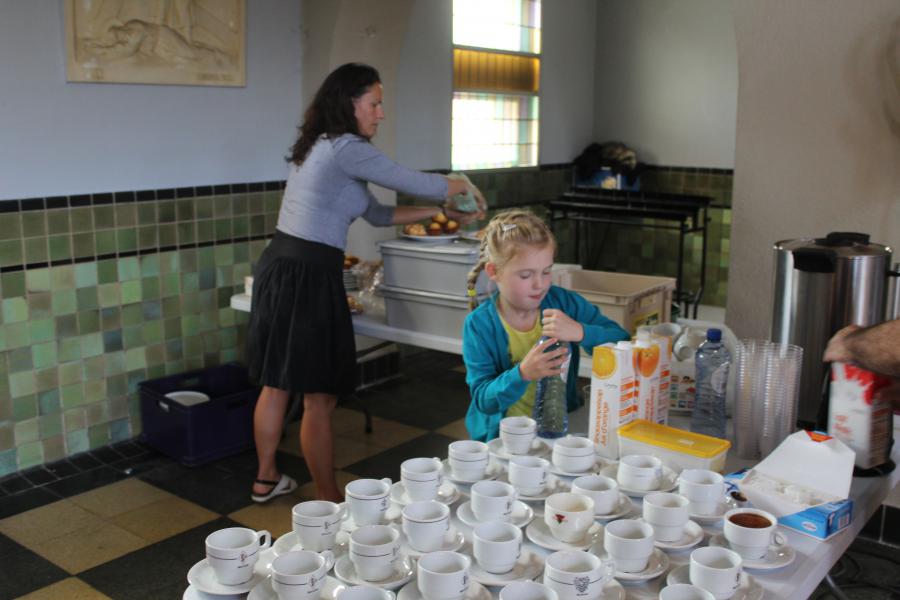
x,y
203,579
690,537
747,590
331,587
522,514
656,565
776,558
453,541
624,507
598,466
291,541
192,593
713,518
529,566
538,448
345,570
447,494
391,517
538,532
476,592
554,485
669,481
493,471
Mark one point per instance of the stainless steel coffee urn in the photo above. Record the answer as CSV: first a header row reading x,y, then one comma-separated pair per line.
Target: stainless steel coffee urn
x,y
822,285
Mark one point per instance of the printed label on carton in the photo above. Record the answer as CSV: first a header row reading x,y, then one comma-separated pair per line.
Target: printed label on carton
x,y
612,401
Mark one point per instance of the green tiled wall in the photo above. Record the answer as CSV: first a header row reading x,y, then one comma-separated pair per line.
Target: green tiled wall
x,y
77,338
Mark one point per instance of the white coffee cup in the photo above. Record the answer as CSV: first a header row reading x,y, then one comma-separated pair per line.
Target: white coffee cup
x,y
443,575
528,474
517,434
639,472
576,575
368,499
298,575
684,591
527,590
629,543
493,500
672,330
703,488
316,523
574,454
365,592
603,490
468,459
751,541
375,551
421,477
233,552
568,516
497,546
425,524
716,570
667,513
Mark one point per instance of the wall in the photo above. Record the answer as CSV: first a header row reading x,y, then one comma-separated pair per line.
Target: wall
x,y
666,80
818,135
72,138
98,290
422,107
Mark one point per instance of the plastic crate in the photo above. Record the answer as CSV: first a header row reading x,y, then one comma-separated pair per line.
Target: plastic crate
x,y
204,432
629,300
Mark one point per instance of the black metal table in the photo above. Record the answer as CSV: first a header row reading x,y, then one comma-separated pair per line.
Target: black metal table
x,y
686,213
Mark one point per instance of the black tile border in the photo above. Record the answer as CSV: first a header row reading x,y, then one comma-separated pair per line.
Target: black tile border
x,y
140,252
101,198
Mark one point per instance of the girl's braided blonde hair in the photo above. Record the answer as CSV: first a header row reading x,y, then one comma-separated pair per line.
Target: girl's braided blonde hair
x,y
504,235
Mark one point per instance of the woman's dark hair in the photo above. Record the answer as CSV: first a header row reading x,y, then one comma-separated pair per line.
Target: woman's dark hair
x,y
331,111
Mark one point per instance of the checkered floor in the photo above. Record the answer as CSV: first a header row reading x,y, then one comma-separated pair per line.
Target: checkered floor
x,y
125,522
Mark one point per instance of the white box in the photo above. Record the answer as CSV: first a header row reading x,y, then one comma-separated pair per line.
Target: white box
x,y
858,416
804,482
424,312
440,268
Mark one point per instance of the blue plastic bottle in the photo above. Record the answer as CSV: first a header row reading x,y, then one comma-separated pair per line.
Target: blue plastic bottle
x,y
550,402
712,362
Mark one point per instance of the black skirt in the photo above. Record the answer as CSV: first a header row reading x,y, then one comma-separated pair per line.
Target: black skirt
x,y
300,335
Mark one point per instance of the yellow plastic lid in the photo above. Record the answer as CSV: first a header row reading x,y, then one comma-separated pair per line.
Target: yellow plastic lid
x,y
677,440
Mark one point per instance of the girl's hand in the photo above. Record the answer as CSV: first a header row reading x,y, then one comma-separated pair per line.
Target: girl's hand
x,y
538,364
558,324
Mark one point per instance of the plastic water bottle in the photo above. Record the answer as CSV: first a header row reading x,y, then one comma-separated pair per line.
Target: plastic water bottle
x,y
550,402
712,361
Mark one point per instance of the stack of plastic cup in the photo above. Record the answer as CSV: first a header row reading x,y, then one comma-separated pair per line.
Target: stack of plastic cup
x,y
778,406
747,387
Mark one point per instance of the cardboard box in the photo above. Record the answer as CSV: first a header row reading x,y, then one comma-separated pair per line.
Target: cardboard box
x,y
858,416
805,482
613,395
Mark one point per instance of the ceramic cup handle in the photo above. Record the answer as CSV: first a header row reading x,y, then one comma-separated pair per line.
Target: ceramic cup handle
x,y
328,555
387,480
265,538
779,539
608,570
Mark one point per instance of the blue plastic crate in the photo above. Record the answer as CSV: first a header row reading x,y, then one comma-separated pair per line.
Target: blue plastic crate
x,y
204,432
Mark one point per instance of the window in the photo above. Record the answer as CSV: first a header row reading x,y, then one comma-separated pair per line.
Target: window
x,y
496,81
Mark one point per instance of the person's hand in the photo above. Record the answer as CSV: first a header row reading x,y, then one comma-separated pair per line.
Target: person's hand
x,y
891,393
558,324
479,199
538,364
837,349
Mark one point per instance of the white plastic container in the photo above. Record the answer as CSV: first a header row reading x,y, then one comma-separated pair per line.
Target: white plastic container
x,y
425,312
437,268
676,448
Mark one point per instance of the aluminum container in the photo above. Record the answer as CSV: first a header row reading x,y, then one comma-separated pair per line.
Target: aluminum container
x,y
439,268
425,312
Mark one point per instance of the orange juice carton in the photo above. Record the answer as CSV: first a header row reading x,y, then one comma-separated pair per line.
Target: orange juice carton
x,y
647,353
665,376
611,404
858,416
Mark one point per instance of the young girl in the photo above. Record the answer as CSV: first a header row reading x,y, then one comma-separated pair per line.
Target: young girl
x,y
499,336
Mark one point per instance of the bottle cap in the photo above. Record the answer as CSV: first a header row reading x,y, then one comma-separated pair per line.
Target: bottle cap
x,y
714,335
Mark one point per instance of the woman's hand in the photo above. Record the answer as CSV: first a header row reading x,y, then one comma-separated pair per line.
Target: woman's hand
x,y
479,199
463,218
538,364
557,324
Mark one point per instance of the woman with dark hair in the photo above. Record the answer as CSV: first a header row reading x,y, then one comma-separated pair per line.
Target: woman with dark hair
x,y
300,335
